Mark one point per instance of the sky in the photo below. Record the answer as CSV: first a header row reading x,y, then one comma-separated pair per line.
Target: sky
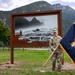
x,y
7,5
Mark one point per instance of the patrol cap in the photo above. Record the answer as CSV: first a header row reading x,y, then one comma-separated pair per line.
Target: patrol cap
x,y
54,30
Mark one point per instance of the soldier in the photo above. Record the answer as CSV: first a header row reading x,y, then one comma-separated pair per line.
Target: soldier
x,y
58,54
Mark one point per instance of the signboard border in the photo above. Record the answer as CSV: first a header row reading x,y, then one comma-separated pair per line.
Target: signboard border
x,y
26,14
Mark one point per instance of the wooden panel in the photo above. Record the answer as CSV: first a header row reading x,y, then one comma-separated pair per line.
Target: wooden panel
x,y
23,43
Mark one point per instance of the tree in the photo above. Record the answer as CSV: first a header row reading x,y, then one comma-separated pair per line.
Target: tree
x,y
4,34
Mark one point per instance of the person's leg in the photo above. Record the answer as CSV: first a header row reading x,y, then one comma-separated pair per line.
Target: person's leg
x,y
59,62
53,63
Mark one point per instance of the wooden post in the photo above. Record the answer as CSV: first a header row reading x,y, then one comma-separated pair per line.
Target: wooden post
x,y
12,55
11,40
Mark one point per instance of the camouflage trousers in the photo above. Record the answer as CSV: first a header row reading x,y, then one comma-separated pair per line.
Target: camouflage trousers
x,y
57,60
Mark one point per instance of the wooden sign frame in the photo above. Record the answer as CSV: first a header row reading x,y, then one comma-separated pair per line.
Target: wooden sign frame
x,y
16,41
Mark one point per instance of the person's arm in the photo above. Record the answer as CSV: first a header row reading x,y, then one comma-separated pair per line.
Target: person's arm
x,y
51,44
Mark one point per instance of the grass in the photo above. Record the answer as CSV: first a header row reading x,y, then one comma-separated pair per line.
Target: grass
x,y
31,60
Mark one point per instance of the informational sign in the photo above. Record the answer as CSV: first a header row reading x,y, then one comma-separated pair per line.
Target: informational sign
x,y
34,29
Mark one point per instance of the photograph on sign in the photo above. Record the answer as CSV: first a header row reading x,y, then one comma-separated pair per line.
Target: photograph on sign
x,y
36,28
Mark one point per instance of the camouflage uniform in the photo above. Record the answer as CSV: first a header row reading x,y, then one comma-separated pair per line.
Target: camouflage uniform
x,y
58,55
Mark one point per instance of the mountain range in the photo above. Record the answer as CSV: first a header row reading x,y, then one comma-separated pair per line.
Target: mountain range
x,y
68,14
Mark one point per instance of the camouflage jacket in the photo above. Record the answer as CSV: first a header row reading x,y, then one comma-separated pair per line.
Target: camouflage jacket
x,y
54,42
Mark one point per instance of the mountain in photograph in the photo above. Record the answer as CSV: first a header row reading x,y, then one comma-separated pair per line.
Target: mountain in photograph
x,y
24,23
68,14
35,22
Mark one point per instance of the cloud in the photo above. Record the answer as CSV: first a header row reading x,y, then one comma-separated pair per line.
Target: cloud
x,y
5,4
68,1
12,4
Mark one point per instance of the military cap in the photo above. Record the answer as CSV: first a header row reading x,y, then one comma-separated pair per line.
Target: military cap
x,y
54,30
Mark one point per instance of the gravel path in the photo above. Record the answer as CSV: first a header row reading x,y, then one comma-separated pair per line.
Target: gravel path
x,y
66,67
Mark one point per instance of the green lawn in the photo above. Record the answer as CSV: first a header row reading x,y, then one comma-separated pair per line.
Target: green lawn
x,y
31,62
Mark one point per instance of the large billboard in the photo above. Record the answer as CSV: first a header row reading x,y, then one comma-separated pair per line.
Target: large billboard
x,y
35,29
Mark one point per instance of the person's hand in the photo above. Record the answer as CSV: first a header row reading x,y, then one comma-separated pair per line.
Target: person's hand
x,y
54,49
